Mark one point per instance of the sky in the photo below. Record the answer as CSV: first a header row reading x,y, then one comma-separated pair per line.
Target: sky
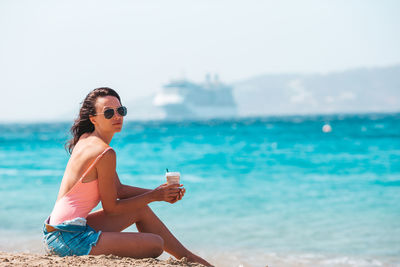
x,y
52,53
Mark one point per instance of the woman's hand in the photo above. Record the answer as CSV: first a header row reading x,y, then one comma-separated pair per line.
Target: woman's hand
x,y
168,192
179,196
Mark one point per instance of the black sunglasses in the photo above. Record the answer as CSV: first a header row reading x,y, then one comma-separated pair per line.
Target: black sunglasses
x,y
109,113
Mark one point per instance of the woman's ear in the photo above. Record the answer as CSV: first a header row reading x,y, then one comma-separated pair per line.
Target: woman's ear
x,y
92,119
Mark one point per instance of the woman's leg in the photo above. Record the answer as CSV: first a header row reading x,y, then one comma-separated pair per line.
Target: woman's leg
x,y
150,223
134,245
146,222
99,220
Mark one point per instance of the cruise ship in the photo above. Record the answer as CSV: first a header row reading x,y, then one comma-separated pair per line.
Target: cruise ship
x,y
183,99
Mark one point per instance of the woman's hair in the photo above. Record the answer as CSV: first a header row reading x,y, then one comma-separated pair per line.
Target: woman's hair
x,y
83,124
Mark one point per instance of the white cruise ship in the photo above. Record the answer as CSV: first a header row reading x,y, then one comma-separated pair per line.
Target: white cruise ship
x,y
182,99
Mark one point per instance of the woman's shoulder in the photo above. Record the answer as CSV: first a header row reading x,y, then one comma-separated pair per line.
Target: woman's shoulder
x,y
90,148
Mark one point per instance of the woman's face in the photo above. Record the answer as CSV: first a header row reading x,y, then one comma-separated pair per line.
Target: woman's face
x,y
101,123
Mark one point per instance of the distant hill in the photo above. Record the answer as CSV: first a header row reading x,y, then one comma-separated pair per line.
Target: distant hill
x,y
353,91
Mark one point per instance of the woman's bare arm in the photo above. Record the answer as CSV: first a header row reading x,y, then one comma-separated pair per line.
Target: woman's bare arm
x,y
108,188
127,191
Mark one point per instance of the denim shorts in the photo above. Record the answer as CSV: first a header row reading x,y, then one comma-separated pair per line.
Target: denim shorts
x,y
70,238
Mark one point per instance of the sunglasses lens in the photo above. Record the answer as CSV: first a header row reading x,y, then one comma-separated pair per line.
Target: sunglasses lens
x,y
122,111
109,113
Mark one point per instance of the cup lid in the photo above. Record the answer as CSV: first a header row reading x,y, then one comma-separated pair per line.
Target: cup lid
x,y
173,173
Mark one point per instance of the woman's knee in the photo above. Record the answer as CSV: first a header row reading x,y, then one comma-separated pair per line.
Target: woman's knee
x,y
158,245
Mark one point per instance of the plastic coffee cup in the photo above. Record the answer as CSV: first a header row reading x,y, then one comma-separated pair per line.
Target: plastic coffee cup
x,y
173,177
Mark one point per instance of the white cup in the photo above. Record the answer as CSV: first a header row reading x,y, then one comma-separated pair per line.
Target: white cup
x,y
173,177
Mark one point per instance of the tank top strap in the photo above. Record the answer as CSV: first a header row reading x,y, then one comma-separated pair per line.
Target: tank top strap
x,y
94,162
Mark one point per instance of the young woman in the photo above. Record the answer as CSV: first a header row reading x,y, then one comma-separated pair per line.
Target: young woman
x,y
91,177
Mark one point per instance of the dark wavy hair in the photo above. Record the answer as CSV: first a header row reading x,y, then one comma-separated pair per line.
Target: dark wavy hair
x,y
82,124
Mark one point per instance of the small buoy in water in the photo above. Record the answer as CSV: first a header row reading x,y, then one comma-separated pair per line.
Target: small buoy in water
x,y
327,128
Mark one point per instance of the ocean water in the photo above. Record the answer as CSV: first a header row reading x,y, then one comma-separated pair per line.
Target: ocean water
x,y
274,191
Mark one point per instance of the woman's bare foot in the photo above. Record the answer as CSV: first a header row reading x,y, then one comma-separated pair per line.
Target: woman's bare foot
x,y
194,258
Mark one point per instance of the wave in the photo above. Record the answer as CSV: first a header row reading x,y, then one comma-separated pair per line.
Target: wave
x,y
31,172
159,177
257,259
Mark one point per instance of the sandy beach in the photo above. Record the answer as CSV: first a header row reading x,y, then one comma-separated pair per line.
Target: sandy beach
x,y
28,259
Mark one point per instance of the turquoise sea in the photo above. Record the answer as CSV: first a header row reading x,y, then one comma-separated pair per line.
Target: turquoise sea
x,y
273,190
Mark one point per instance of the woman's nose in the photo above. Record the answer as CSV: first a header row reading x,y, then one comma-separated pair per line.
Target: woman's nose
x,y
117,114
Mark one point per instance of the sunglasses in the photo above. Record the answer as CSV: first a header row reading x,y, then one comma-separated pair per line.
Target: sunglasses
x,y
109,113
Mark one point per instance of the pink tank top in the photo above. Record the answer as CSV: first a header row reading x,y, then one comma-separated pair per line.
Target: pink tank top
x,y
79,200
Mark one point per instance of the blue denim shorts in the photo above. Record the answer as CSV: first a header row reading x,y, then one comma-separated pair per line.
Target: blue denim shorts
x,y
69,238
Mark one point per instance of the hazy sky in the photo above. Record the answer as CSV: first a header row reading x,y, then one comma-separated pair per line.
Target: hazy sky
x,y
52,53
